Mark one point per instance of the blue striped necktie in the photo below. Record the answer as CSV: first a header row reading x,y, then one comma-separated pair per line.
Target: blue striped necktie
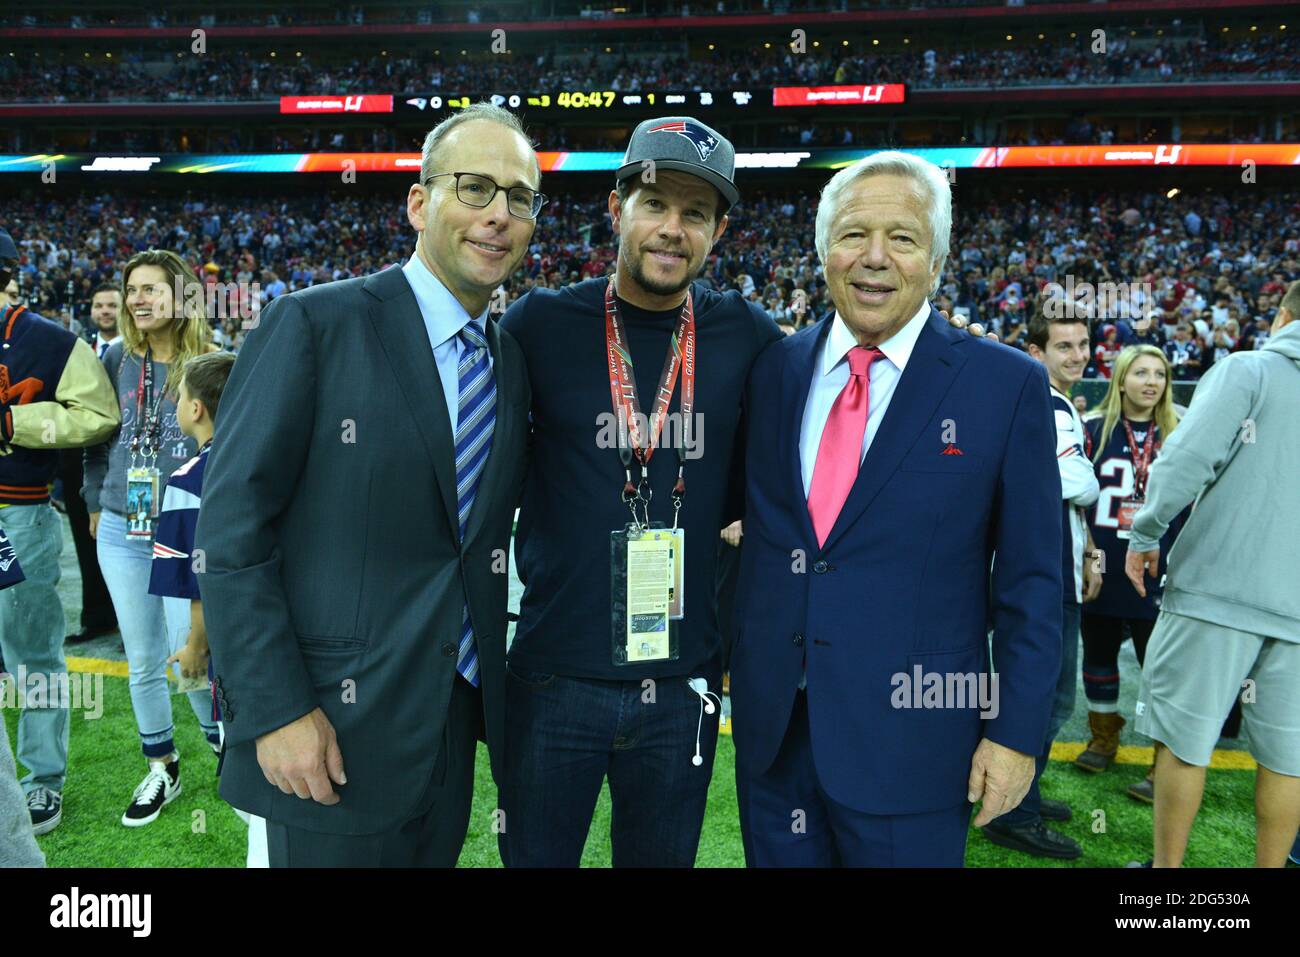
x,y
476,416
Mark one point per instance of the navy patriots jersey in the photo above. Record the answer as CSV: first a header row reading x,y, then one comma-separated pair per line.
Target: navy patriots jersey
x,y
1115,477
171,573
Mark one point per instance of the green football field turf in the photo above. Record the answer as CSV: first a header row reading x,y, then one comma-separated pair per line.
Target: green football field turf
x,y
198,829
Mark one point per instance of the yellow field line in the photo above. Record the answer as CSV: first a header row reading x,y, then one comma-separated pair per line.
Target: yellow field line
x,y
1061,750
1133,754
98,666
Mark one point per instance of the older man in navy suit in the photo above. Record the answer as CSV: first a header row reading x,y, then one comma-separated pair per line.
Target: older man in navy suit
x,y
902,493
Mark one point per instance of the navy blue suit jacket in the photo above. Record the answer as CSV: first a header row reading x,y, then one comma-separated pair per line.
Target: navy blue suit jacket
x,y
907,576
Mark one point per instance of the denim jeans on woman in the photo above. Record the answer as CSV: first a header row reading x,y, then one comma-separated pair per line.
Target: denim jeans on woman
x,y
152,628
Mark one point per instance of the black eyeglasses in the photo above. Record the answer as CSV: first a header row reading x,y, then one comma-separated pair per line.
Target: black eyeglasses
x,y
474,189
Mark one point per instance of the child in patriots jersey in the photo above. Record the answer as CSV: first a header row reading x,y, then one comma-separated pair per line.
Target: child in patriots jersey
x,y
1123,437
172,573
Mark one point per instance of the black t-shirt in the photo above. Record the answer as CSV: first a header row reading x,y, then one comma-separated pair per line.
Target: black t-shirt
x,y
572,492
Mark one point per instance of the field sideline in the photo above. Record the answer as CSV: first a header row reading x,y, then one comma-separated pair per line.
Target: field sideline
x,y
200,830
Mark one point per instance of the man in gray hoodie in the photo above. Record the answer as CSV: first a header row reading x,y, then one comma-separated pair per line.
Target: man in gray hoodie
x,y
17,845
1230,620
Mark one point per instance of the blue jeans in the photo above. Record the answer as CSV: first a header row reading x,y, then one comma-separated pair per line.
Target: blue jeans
x,y
31,636
152,628
564,736
1063,706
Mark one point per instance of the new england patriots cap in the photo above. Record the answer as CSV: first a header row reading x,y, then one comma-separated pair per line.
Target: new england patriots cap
x,y
685,144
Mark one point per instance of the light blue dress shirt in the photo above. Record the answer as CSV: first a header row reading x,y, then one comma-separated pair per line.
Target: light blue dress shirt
x,y
444,317
831,375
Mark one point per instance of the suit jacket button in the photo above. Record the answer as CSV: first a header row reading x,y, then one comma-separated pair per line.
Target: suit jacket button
x,y
448,649
798,639
821,567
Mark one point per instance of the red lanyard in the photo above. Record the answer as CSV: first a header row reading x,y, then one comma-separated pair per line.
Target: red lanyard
x,y
627,406
1142,462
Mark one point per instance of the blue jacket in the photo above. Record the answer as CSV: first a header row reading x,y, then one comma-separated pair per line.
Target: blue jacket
x,y
907,576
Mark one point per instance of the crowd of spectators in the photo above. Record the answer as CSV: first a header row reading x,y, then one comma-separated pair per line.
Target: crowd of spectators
x,y
357,14
1200,275
224,73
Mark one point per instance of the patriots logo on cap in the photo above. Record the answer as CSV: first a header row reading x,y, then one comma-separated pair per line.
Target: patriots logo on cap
x,y
704,141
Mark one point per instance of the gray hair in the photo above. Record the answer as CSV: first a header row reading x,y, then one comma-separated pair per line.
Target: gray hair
x,y
931,183
476,111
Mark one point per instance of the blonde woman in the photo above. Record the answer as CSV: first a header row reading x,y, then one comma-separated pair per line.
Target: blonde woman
x,y
162,324
1124,437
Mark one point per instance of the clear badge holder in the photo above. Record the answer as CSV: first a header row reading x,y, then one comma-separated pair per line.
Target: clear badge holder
x,y
643,563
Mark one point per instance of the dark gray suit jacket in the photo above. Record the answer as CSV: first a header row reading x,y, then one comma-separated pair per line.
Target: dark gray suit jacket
x,y
334,576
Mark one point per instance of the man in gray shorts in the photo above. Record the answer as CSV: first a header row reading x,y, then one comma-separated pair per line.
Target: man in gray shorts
x,y
1230,621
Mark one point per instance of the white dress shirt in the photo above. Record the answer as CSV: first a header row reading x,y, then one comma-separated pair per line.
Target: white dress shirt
x,y
444,317
831,375
102,344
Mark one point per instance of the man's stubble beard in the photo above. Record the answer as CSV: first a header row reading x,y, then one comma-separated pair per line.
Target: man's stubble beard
x,y
656,288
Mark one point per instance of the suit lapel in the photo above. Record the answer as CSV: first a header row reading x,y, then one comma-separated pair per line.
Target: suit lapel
x,y
803,364
929,374
395,317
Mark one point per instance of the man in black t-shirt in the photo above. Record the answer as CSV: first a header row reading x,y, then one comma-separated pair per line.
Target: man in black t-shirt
x,y
584,703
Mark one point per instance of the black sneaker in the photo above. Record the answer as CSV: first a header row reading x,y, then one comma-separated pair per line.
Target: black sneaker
x,y
160,787
1036,839
1140,863
1054,810
46,808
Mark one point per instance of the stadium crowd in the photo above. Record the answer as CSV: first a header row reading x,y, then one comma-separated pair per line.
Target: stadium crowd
x,y
357,14
1200,276
234,74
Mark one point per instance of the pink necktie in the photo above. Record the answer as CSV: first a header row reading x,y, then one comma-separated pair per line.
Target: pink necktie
x,y
840,452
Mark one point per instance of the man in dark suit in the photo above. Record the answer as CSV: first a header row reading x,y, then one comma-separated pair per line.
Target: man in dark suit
x,y
355,521
97,614
891,462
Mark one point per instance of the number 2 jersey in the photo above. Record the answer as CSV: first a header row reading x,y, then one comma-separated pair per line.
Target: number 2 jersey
x,y
1116,480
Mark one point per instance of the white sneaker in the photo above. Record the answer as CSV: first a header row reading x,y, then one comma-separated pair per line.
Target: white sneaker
x,y
160,787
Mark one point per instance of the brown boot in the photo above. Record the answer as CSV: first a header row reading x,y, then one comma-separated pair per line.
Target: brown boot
x,y
1101,750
